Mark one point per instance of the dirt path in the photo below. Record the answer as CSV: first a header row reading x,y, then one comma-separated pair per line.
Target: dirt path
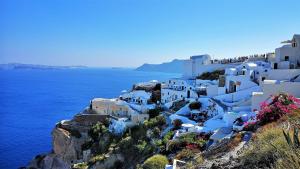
x,y
224,159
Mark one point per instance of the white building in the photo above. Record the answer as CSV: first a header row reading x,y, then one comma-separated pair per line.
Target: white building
x,y
178,89
192,67
288,56
199,64
241,77
136,96
284,75
118,109
273,87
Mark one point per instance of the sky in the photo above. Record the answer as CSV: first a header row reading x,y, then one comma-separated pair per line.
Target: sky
x,y
128,33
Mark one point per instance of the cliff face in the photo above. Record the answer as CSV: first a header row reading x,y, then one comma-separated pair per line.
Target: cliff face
x,y
66,151
67,139
67,146
50,161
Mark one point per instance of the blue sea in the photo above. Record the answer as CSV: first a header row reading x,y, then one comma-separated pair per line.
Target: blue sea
x,y
32,101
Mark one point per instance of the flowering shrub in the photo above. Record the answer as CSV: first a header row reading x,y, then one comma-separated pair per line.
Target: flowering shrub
x,y
280,105
192,146
250,126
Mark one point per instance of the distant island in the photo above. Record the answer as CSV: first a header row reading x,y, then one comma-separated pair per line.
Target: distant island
x,y
10,66
175,66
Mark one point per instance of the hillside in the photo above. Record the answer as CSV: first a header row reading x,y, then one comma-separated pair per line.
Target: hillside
x,y
86,142
175,66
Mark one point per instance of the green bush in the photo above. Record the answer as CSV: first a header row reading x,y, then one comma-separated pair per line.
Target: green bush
x,y
156,162
211,75
185,154
168,137
95,159
125,143
96,131
141,145
156,132
189,139
158,121
174,145
154,112
138,132
80,166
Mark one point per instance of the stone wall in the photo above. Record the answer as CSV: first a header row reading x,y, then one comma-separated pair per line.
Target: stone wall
x,y
89,119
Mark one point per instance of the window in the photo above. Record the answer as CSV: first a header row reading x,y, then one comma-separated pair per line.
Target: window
x,y
263,78
294,44
286,58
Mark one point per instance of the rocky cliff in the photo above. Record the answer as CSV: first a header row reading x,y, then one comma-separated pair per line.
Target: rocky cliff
x,y
67,140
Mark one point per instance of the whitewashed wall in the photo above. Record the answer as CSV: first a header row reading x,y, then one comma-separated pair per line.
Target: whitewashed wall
x,y
292,88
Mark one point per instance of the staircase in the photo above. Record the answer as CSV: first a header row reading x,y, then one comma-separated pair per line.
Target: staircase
x,y
225,108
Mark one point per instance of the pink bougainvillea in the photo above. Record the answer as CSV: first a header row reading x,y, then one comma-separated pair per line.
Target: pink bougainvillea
x,y
280,105
191,146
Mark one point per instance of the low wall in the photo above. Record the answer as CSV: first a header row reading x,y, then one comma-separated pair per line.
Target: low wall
x,y
282,74
89,119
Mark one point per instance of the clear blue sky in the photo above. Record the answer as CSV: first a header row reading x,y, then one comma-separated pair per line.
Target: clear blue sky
x,y
128,33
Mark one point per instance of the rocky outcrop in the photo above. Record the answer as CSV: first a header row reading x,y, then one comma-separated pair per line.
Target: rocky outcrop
x,y
50,161
67,139
66,146
109,161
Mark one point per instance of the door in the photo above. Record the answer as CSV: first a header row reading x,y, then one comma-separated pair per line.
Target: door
x,y
275,65
188,94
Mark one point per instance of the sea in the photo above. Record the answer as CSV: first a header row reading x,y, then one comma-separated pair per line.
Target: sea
x,y
33,101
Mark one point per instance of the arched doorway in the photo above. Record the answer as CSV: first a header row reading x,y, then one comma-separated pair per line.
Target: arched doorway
x,y
275,65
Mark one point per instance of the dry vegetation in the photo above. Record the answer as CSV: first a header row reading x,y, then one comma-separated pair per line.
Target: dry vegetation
x,y
269,148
